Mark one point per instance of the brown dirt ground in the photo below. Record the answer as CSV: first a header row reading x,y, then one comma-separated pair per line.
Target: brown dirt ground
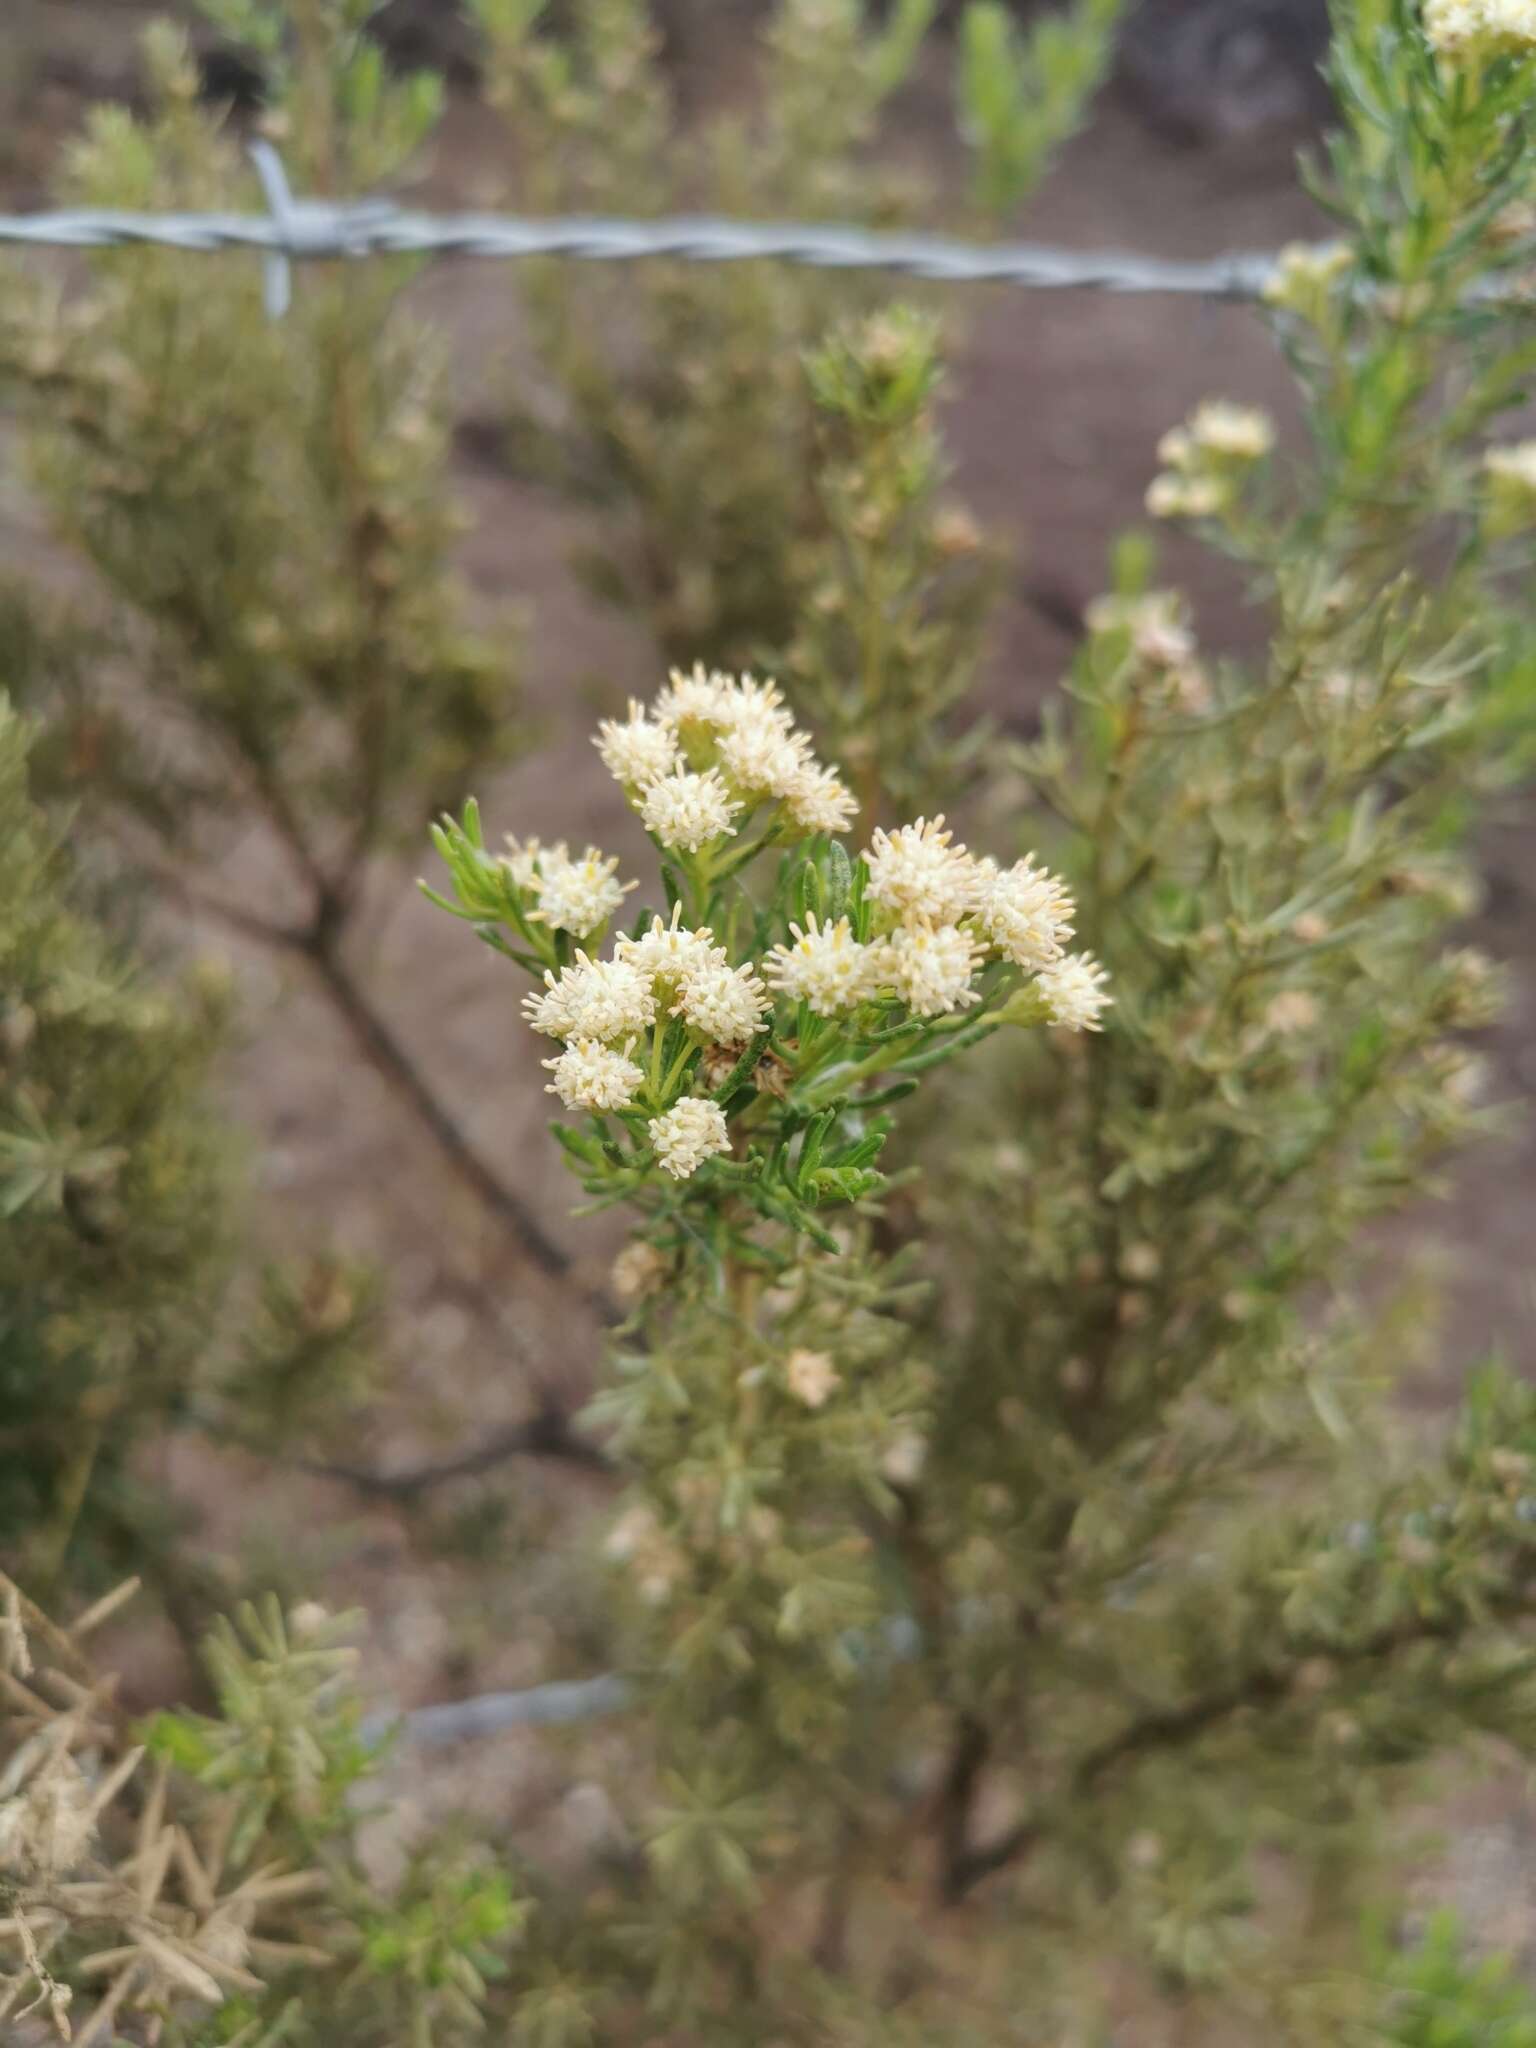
x,y
1058,401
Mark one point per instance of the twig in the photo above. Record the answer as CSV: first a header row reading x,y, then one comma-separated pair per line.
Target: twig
x,y
545,1435
956,1796
391,1059
318,943
1168,1727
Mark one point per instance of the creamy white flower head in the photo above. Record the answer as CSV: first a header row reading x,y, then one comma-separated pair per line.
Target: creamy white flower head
x,y
668,952
760,758
1515,463
1073,990
638,1270
633,1529
692,1131
1177,448
1481,28
698,696
826,967
636,749
592,1076
578,895
1242,433
1303,273
1025,911
725,1004
601,999
686,811
811,1377
553,1011
522,857
930,966
638,1540
1292,1010
1156,622
917,872
749,703
1182,497
904,1458
1453,25
819,801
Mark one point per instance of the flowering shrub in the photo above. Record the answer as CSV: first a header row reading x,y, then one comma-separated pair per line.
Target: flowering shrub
x,y
766,1054
1028,1590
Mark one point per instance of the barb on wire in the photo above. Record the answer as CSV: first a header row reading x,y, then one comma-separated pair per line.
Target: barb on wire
x,y
303,227
296,230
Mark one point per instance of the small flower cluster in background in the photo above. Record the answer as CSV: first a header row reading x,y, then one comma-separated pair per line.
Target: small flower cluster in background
x,y
1209,459
1509,475
761,1024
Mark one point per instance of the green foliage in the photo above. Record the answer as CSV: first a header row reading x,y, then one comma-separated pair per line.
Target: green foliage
x,y
439,1945
1437,1996
285,1746
266,507
1112,1545
112,1191
1022,93
208,1883
127,1306
683,412
264,499
890,638
1011,1515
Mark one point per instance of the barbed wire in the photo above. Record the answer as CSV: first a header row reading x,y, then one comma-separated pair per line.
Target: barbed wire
x,y
339,232
582,1699
489,1713
305,230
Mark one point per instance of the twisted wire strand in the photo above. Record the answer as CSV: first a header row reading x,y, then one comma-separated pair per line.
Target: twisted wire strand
x,y
898,1639
305,230
490,1713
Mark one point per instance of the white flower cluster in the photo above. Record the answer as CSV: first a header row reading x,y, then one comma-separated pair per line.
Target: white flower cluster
x,y
600,1008
712,748
1162,641
1514,463
692,1130
1481,28
1073,991
577,896
945,913
1205,458
1304,277
589,1075
939,914
826,968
